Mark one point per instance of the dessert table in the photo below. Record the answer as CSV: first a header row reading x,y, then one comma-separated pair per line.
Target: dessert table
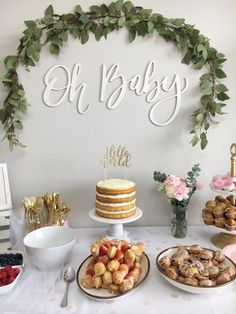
x,y
40,292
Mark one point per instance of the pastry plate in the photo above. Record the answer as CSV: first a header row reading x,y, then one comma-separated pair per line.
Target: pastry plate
x,y
223,230
103,294
223,192
189,288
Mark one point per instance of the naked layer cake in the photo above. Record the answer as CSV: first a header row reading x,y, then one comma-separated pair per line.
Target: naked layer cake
x,y
115,198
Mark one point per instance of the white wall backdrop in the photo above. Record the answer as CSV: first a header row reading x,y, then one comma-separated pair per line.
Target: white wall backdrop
x,y
64,147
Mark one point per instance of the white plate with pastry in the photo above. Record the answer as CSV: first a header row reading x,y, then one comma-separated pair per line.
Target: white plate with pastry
x,y
196,270
103,294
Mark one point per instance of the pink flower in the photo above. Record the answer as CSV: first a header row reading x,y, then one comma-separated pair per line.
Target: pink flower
x,y
172,180
199,186
218,183
181,192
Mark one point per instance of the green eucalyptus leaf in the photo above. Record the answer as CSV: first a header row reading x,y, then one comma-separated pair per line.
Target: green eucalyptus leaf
x,y
128,7
54,49
63,36
112,8
49,10
222,96
99,32
83,18
119,5
95,9
187,58
30,24
221,88
194,140
203,140
132,36
103,9
59,25
18,124
122,21
84,37
220,73
78,9
11,62
199,117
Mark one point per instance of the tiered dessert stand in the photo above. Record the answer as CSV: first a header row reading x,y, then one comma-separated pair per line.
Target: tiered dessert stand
x,y
225,237
116,229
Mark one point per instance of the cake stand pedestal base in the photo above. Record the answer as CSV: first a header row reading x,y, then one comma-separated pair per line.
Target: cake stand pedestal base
x,y
223,239
116,229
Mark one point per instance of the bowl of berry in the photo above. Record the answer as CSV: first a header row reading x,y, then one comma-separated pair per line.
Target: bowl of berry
x,y
11,267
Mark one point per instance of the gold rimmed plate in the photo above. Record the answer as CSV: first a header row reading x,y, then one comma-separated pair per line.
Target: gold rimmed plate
x,y
186,287
103,294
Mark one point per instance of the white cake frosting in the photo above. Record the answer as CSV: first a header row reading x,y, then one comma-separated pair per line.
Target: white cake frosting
x,y
117,196
116,204
115,184
116,213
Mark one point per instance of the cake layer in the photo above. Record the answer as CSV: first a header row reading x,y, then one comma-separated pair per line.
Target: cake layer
x,y
115,215
115,207
110,200
115,187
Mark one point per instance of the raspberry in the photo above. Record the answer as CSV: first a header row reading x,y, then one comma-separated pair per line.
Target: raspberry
x,y
10,272
10,280
16,271
3,275
7,268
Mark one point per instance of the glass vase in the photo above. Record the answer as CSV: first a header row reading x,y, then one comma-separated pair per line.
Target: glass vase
x,y
179,219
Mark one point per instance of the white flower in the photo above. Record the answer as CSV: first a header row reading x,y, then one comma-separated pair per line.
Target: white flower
x,y
160,186
169,191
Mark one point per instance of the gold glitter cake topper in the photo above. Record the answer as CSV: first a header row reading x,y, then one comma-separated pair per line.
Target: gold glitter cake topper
x,y
113,157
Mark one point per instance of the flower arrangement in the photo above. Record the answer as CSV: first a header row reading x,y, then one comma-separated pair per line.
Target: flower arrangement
x,y
179,191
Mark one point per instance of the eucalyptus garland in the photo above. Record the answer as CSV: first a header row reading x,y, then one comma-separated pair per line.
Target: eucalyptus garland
x,y
53,29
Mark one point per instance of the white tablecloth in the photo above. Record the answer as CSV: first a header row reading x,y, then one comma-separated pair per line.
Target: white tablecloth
x,y
41,292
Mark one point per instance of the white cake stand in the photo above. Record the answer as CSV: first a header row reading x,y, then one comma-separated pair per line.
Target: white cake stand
x,y
116,225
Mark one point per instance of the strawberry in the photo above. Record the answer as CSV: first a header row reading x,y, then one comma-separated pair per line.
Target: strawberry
x,y
16,271
124,247
90,272
119,255
108,244
103,259
103,250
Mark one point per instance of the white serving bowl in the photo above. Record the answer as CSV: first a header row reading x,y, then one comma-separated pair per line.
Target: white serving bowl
x,y
50,247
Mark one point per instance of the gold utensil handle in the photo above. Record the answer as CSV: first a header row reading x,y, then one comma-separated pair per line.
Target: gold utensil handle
x,y
233,160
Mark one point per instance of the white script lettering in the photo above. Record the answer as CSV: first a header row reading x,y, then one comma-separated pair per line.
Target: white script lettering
x,y
146,84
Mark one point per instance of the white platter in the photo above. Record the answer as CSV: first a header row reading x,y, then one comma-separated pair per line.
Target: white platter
x,y
189,288
103,294
223,192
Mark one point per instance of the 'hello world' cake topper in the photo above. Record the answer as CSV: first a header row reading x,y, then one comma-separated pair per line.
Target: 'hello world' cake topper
x,y
116,157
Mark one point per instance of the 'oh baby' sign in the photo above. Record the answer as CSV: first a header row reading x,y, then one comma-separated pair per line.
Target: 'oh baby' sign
x,y
157,91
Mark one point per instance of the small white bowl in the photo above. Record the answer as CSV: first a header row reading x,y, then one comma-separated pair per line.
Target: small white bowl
x,y
6,289
50,247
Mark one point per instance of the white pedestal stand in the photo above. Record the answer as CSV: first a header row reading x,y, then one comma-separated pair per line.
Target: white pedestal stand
x,y
116,229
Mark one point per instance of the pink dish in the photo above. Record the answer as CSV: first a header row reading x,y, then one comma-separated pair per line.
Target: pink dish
x,y
230,251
